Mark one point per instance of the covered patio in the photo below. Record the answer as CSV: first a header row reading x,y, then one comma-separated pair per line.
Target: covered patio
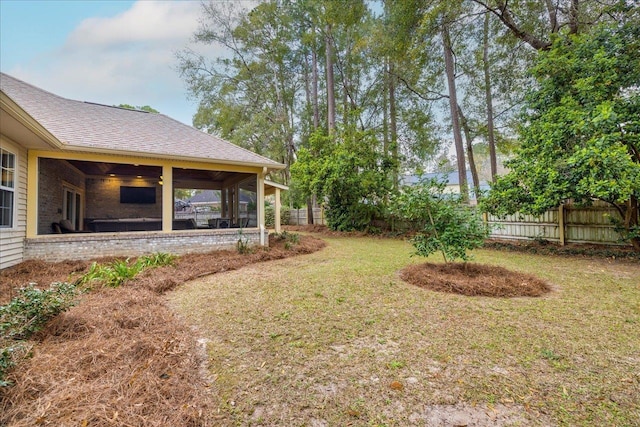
x,y
96,180
120,209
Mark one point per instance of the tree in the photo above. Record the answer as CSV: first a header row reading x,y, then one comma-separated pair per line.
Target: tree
x,y
445,223
535,22
453,104
249,96
581,129
146,108
344,169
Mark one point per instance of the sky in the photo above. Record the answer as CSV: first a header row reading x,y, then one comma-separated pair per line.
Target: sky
x,y
109,52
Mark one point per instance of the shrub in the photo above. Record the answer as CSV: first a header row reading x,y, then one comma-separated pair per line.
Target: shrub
x,y
119,271
242,245
33,307
444,222
290,239
26,314
156,260
270,215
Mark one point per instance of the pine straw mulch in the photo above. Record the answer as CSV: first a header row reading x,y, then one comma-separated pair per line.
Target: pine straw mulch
x,y
41,274
544,247
472,279
120,357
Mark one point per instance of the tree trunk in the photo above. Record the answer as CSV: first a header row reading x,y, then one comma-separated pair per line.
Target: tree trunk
x,y
393,124
472,163
310,210
573,17
489,101
453,104
631,220
307,83
385,108
331,99
504,14
314,88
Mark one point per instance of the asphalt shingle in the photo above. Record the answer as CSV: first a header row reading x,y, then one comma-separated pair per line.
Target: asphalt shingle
x,y
86,125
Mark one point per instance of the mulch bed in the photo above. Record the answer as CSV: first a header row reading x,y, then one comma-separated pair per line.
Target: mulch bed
x,y
120,357
544,247
473,279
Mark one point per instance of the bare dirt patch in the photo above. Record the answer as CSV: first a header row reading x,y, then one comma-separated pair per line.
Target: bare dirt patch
x,y
120,357
474,280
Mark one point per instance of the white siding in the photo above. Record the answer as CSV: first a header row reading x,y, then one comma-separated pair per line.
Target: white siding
x,y
12,239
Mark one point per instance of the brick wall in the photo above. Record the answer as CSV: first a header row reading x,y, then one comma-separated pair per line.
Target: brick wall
x,y
103,199
92,245
52,174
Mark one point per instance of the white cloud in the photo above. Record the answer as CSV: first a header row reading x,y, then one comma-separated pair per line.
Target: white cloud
x,y
146,21
128,58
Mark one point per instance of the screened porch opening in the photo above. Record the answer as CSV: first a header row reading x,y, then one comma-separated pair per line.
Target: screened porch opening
x,y
77,196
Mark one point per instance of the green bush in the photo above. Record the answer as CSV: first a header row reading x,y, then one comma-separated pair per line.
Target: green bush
x,y
243,245
33,307
443,222
287,237
117,272
346,172
290,239
270,215
26,314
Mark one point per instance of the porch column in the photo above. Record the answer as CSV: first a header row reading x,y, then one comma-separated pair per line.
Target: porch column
x,y
223,203
236,204
167,198
260,207
277,211
32,195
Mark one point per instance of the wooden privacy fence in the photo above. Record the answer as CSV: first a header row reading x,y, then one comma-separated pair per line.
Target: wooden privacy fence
x,y
299,216
565,224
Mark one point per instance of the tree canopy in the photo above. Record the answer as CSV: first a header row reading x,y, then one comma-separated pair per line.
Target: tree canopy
x,y
580,133
362,88
146,108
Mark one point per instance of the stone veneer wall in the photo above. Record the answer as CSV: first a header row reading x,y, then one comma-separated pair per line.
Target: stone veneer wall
x,y
103,199
82,246
52,174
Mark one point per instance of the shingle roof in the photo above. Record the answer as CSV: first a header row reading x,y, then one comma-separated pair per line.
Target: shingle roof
x,y
85,125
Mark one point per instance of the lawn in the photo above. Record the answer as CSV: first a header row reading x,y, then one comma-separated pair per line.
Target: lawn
x,y
336,338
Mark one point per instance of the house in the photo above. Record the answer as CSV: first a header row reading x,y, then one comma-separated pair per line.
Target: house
x,y
452,182
82,180
212,200
205,207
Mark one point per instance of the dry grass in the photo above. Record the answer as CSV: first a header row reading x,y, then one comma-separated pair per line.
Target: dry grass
x,y
337,338
120,357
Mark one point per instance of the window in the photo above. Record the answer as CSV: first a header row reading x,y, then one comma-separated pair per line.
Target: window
x,y
7,188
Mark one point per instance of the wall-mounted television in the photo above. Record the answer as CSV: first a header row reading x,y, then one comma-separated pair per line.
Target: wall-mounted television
x,y
141,195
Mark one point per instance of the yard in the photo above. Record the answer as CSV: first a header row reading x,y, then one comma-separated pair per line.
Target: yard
x,y
336,338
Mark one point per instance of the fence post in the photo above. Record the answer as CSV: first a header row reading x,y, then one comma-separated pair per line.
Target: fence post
x,y
561,223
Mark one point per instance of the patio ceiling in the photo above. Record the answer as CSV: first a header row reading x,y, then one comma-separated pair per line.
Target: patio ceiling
x,y
183,178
